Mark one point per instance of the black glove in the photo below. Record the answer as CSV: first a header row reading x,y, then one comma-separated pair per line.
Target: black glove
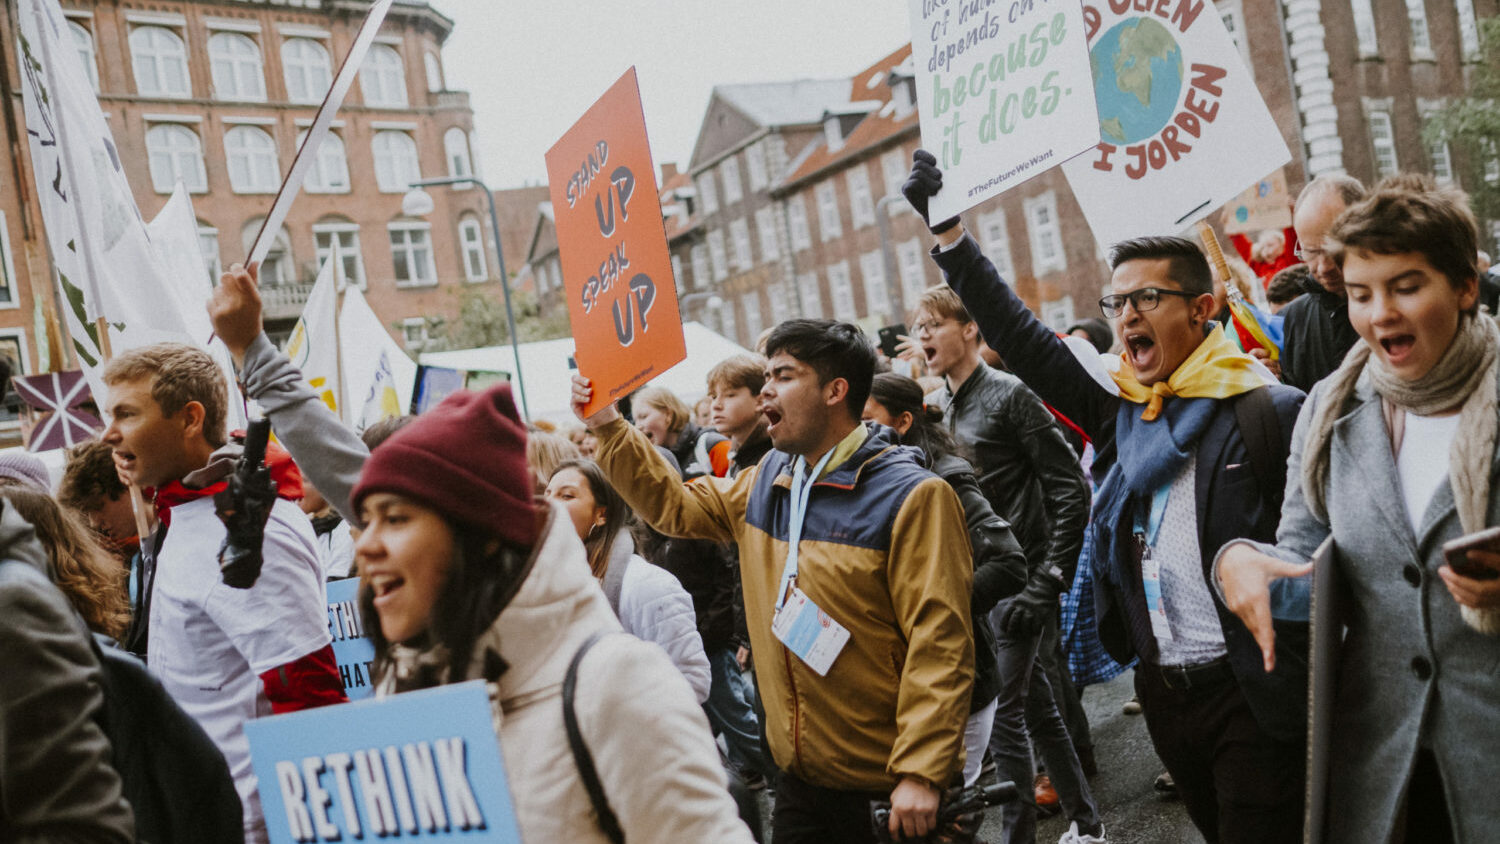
x,y
1024,615
923,184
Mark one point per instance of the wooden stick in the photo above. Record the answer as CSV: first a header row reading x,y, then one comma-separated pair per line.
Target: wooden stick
x,y
1215,253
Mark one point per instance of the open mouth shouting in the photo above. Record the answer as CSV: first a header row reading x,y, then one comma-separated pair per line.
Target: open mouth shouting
x,y
772,416
1141,350
1398,348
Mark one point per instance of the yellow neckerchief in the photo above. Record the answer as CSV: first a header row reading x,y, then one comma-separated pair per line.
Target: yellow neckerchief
x,y
843,451
1215,370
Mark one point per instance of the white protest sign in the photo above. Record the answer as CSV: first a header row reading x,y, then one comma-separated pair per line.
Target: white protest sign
x,y
1184,128
1004,91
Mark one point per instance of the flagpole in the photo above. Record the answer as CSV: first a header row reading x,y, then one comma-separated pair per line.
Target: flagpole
x,y
337,257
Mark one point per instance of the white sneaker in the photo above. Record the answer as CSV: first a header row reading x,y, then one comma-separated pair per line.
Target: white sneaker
x,y
1073,836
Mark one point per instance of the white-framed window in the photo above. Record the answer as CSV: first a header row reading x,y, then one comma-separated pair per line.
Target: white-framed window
x,y
765,226
208,245
278,268
382,78
739,232
750,305
1058,314
1383,143
729,171
471,241
475,157
1442,162
708,192
329,171
909,260
13,347
699,257
434,67
252,160
717,254
781,303
159,59
396,164
894,169
175,153
347,235
8,279
456,151
83,41
872,271
994,239
861,204
755,166
1491,153
414,333
841,291
1468,29
796,218
411,252
1045,232
1364,27
235,63
829,224
1416,17
726,321
306,69
811,294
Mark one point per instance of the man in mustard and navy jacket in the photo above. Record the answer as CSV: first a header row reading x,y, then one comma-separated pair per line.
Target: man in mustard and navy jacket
x,y
883,554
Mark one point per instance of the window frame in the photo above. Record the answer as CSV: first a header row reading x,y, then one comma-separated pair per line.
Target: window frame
x,y
308,68
734,188
159,58
87,49
236,69
386,76
230,152
467,249
830,221
861,200
199,184
407,227
415,162
454,157
323,253
314,183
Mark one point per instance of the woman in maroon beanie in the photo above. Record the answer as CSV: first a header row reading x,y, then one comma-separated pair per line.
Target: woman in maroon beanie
x,y
466,576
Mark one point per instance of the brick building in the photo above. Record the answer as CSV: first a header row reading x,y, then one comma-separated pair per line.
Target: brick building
x,y
218,94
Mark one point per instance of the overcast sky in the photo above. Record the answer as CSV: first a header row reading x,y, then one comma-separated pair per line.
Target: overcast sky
x,y
533,66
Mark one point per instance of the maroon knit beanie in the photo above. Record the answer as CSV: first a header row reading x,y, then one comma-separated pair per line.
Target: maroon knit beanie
x,y
466,459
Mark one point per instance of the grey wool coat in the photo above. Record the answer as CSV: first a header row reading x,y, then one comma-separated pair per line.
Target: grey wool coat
x,y
1410,673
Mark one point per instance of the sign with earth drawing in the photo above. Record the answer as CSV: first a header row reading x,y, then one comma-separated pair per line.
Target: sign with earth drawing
x,y
1003,90
1183,128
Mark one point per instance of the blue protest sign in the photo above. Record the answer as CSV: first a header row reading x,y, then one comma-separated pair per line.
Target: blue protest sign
x,y
352,649
425,765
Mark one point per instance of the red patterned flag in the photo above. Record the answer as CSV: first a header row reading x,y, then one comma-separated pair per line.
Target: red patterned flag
x,y
57,398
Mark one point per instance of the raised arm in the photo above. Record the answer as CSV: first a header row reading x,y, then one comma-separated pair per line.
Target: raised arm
x,y
327,451
1030,349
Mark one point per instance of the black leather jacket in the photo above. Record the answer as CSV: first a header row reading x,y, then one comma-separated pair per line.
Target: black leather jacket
x,y
1025,468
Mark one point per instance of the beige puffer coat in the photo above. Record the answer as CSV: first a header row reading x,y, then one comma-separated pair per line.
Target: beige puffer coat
x,y
650,740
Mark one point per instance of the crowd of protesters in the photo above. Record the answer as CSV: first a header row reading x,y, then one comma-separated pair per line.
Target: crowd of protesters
x,y
1031,513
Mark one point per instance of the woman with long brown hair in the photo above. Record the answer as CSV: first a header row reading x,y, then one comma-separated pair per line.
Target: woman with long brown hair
x,y
88,574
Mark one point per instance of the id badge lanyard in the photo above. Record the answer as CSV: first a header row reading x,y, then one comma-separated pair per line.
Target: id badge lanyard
x,y
801,494
1152,528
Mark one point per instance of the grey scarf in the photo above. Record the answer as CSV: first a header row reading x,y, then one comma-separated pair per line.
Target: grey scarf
x,y
1464,376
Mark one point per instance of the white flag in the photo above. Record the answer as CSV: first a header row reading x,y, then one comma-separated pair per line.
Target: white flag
x,y
313,345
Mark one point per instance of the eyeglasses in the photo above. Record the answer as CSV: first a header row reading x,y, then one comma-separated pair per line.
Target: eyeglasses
x,y
1307,256
929,327
1144,299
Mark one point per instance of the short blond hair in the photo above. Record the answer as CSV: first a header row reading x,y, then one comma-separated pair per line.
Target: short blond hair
x,y
941,301
666,402
179,374
748,371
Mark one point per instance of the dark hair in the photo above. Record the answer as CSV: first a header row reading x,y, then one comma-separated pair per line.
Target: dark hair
x,y
617,515
1098,331
1436,224
90,477
899,394
1288,284
382,430
833,350
1185,262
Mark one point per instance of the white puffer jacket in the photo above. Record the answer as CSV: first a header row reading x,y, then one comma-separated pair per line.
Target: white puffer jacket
x,y
650,740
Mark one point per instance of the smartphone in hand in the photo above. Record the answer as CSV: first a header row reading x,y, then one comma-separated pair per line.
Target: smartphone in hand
x,y
1456,552
890,337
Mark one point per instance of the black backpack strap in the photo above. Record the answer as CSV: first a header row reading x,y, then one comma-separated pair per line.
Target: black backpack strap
x,y
1260,429
608,823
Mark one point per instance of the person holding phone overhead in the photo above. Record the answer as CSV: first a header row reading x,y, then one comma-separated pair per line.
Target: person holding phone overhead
x,y
1392,457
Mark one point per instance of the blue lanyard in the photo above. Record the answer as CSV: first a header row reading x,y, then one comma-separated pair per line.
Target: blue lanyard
x,y
801,494
1154,519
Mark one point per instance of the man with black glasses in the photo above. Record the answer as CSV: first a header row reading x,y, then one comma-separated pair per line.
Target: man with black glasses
x,y
1192,437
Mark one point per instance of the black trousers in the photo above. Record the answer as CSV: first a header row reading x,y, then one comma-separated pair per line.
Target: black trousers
x,y
809,814
1238,783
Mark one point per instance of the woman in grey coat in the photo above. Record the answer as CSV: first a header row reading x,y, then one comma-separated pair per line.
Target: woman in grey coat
x,y
1394,455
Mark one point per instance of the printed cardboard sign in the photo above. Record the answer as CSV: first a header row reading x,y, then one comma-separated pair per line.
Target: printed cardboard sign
x,y
1184,128
422,766
1264,205
617,272
1004,90
352,649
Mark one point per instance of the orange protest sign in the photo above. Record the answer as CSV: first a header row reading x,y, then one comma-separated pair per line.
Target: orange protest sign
x,y
617,272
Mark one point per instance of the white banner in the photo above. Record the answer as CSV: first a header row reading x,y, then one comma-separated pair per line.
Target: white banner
x,y
1184,128
1005,94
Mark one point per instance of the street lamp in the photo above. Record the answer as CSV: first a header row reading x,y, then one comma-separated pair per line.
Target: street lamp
x,y
418,203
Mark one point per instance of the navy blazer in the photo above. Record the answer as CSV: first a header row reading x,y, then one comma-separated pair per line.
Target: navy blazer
x,y
1230,504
